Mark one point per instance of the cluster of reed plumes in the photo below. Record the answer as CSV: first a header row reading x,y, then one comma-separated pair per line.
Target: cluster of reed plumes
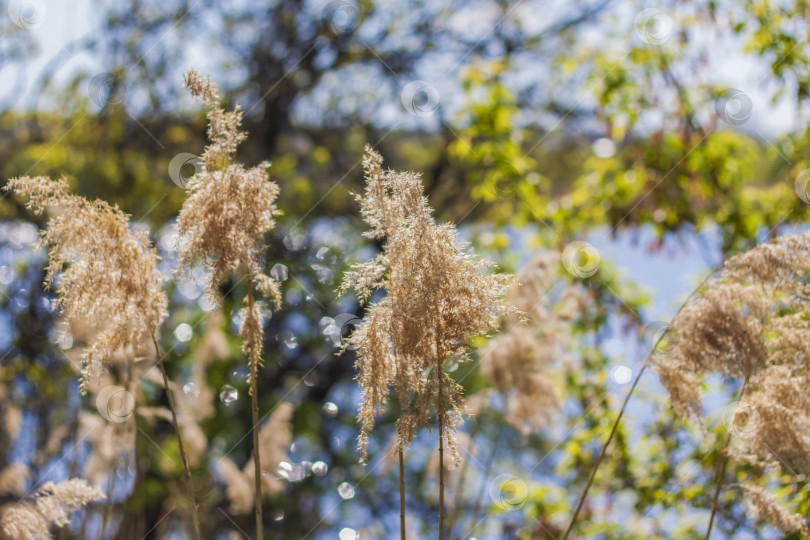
x,y
750,325
426,297
108,280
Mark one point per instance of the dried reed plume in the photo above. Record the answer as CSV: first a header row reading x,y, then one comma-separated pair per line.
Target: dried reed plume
x,y
223,222
51,505
108,279
764,505
108,442
437,298
229,208
14,478
750,324
518,360
108,275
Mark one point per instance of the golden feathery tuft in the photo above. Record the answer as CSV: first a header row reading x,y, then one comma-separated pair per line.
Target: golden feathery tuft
x,y
438,296
227,213
50,506
517,361
750,324
106,273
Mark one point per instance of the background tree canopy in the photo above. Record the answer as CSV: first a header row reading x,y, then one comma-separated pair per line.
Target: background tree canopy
x,y
665,136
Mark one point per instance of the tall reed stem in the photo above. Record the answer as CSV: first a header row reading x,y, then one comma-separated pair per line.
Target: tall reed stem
x,y
189,487
604,449
721,466
401,468
462,475
108,503
624,406
254,395
440,414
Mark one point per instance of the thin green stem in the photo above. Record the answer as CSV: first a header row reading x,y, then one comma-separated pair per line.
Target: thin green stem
x,y
189,486
462,476
624,406
721,466
604,450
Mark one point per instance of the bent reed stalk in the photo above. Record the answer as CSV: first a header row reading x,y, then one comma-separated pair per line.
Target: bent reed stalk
x,y
189,484
401,456
440,414
721,465
615,426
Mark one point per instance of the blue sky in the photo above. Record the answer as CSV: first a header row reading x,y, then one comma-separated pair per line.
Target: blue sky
x,y
59,23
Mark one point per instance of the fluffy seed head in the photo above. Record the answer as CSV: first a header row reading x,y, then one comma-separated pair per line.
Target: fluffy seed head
x,y
764,505
518,360
751,324
107,273
438,296
227,213
751,317
50,506
229,207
